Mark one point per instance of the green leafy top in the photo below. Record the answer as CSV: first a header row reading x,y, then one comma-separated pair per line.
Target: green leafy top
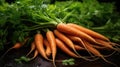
x,y
18,20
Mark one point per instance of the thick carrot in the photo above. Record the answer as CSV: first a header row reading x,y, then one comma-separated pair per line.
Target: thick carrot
x,y
65,39
64,48
32,48
68,42
35,55
48,49
51,39
73,31
39,45
96,52
88,31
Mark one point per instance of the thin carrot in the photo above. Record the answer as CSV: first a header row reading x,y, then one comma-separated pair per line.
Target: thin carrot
x,y
88,31
73,31
64,48
96,52
48,49
77,47
77,39
16,46
104,43
80,41
32,48
51,39
108,45
35,55
39,45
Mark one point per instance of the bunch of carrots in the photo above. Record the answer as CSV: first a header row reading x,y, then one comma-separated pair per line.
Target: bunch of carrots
x,y
71,39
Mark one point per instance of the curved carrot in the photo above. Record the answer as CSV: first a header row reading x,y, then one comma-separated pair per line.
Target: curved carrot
x,y
88,31
48,49
96,52
32,48
39,45
104,43
65,39
73,31
79,40
68,42
81,43
51,39
77,47
62,46
35,55
16,46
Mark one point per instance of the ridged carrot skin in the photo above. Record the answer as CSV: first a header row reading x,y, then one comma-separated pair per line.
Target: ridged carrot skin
x,y
62,46
39,45
88,31
75,32
51,39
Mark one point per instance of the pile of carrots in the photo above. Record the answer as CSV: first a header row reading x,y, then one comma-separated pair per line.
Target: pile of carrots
x,y
71,39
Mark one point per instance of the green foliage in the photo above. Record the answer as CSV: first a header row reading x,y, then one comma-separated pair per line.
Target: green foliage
x,y
19,19
70,61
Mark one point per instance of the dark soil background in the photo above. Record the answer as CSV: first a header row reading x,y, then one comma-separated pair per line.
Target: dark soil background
x,y
9,59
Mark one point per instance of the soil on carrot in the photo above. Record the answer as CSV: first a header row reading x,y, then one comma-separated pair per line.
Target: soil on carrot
x,y
9,60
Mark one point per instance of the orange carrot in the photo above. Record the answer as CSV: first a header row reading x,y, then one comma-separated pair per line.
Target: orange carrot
x,y
104,43
48,49
65,39
39,45
80,41
68,42
16,46
32,48
73,31
35,55
62,46
96,52
88,31
77,47
51,39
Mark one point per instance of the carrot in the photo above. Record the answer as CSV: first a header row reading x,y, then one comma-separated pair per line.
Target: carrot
x,y
108,45
39,45
77,47
35,54
68,42
77,39
48,49
16,46
65,39
32,48
88,31
75,32
62,46
51,39
96,52
104,43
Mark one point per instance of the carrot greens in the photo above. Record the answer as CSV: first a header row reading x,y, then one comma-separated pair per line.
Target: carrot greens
x,y
19,18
